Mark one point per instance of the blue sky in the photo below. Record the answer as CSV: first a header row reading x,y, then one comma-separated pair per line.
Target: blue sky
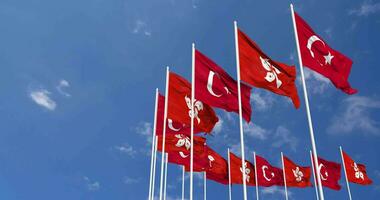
x,y
78,80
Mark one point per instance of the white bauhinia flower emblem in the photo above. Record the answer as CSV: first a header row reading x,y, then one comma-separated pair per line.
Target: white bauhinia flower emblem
x,y
211,159
198,106
298,174
358,173
247,171
183,141
272,72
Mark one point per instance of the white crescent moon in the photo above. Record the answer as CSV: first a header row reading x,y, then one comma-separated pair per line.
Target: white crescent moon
x,y
182,154
320,173
170,124
310,42
209,84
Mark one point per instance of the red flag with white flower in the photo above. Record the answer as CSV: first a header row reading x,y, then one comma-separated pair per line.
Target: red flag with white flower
x,y
257,69
268,175
296,176
218,89
217,168
237,171
320,57
356,172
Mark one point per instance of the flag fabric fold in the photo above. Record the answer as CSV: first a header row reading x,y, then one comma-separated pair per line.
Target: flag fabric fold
x,y
356,173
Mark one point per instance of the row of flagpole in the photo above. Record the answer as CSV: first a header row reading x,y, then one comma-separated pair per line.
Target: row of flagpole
x,y
163,172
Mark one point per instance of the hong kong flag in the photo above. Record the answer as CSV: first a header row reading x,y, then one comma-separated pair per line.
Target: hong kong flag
x,y
172,127
356,173
179,105
216,88
257,69
320,57
237,171
296,176
267,175
329,173
217,168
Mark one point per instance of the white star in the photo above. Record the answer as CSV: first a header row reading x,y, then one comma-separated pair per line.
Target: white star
x,y
328,58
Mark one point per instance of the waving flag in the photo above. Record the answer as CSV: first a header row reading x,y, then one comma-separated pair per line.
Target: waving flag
x,y
267,175
257,69
356,173
296,176
329,173
217,168
216,88
179,105
320,57
237,171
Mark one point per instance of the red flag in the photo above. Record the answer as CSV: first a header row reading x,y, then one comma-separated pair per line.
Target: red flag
x,y
172,127
237,171
257,69
216,88
320,57
329,173
179,105
296,176
267,175
356,173
217,169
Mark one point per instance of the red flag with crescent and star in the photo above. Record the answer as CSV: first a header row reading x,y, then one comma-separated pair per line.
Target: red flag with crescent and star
x,y
217,168
257,69
320,57
329,173
267,175
218,89
356,173
179,105
296,176
237,171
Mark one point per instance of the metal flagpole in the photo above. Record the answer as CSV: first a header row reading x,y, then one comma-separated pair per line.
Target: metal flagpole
x,y
314,147
154,166
192,118
345,172
183,182
229,176
153,146
204,185
315,179
283,171
164,131
256,180
240,111
166,174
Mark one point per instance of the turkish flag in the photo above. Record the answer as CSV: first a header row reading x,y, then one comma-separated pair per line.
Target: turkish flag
x,y
237,171
217,168
320,57
329,173
179,105
172,127
296,176
257,69
216,88
356,173
267,175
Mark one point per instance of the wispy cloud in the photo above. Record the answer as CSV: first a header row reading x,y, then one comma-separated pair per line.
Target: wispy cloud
x,y
42,98
255,131
274,191
61,86
365,9
356,115
262,101
130,180
140,27
283,137
218,126
145,129
126,149
316,83
91,185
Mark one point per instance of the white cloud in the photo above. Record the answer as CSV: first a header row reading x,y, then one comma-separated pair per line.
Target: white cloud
x,y
262,100
41,97
275,190
255,131
365,9
328,32
356,115
141,27
283,137
130,180
145,129
91,185
218,126
60,88
126,149
316,83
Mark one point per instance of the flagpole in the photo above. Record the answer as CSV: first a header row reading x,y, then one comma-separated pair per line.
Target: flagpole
x,y
183,182
256,180
229,176
164,131
315,179
154,166
314,147
345,172
240,111
283,171
153,146
166,174
204,185
192,119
